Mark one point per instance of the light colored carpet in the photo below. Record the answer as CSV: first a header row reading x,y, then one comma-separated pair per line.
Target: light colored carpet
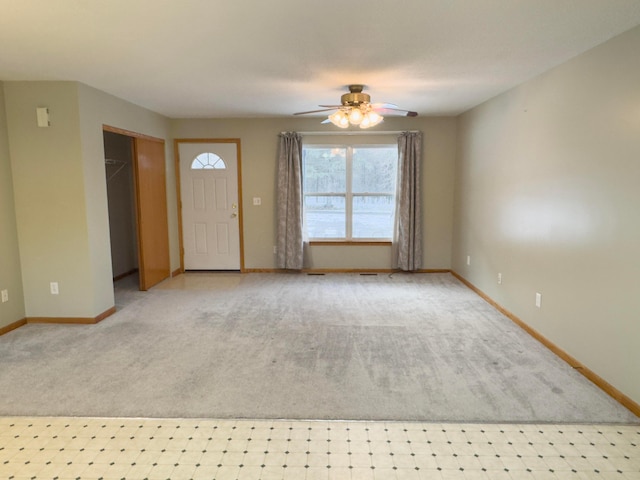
x,y
340,346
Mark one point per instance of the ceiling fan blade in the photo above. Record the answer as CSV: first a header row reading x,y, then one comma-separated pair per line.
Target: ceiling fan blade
x,y
384,105
331,106
316,111
406,113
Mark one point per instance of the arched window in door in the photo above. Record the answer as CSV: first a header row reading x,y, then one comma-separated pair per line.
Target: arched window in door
x,y
208,160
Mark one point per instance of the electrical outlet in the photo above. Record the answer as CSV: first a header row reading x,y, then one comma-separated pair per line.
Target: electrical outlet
x,y
538,299
5,296
468,259
53,286
499,279
257,201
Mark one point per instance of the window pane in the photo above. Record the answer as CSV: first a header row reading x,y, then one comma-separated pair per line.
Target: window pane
x,y
324,216
324,170
373,216
207,160
374,169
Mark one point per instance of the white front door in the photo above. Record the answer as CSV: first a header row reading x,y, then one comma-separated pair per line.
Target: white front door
x,y
210,207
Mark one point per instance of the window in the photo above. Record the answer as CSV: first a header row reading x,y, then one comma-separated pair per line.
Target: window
x,y
208,160
349,191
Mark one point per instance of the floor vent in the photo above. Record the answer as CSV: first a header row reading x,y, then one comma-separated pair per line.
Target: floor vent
x,y
369,274
315,273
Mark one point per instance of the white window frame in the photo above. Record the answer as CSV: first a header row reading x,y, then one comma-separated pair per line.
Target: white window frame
x,y
349,194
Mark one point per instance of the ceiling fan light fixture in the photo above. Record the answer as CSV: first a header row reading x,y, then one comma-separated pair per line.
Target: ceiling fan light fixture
x,y
352,115
339,119
356,109
371,119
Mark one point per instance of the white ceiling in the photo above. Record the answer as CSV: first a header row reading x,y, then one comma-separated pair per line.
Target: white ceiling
x,y
252,58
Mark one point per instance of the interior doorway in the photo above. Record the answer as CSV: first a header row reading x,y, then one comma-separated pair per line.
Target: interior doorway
x,y
136,192
118,150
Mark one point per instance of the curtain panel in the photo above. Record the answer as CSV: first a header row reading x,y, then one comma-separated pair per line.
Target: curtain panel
x,y
290,236
407,241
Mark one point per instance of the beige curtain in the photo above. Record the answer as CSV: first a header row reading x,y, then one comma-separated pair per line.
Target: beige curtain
x,y
407,241
290,239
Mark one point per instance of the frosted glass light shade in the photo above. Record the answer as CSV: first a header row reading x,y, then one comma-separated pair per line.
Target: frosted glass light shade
x,y
339,119
355,116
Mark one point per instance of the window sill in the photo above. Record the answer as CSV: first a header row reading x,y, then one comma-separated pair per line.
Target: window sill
x,y
349,243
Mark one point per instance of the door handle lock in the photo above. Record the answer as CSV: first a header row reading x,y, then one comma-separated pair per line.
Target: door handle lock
x,y
234,215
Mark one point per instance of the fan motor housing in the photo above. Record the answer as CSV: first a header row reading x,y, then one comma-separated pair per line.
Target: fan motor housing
x,y
355,99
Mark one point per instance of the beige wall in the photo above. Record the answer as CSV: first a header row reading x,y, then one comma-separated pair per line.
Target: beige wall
x,y
60,192
97,109
49,198
10,272
547,194
259,140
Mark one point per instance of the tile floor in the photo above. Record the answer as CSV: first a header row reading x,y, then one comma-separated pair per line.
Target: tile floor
x,y
111,448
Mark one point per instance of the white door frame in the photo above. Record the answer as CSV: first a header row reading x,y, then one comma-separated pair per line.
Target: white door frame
x,y
176,144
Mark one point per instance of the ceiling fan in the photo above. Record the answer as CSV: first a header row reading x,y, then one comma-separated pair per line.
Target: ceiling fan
x,y
356,109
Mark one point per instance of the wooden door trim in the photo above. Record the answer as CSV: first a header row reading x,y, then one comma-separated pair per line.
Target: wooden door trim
x,y
129,133
176,156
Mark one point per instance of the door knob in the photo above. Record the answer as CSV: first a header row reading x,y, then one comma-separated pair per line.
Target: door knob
x,y
234,215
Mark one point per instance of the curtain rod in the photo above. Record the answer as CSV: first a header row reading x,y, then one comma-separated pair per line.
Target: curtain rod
x,y
354,132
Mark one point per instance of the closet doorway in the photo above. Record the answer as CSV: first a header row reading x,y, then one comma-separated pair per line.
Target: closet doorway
x,y
136,192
